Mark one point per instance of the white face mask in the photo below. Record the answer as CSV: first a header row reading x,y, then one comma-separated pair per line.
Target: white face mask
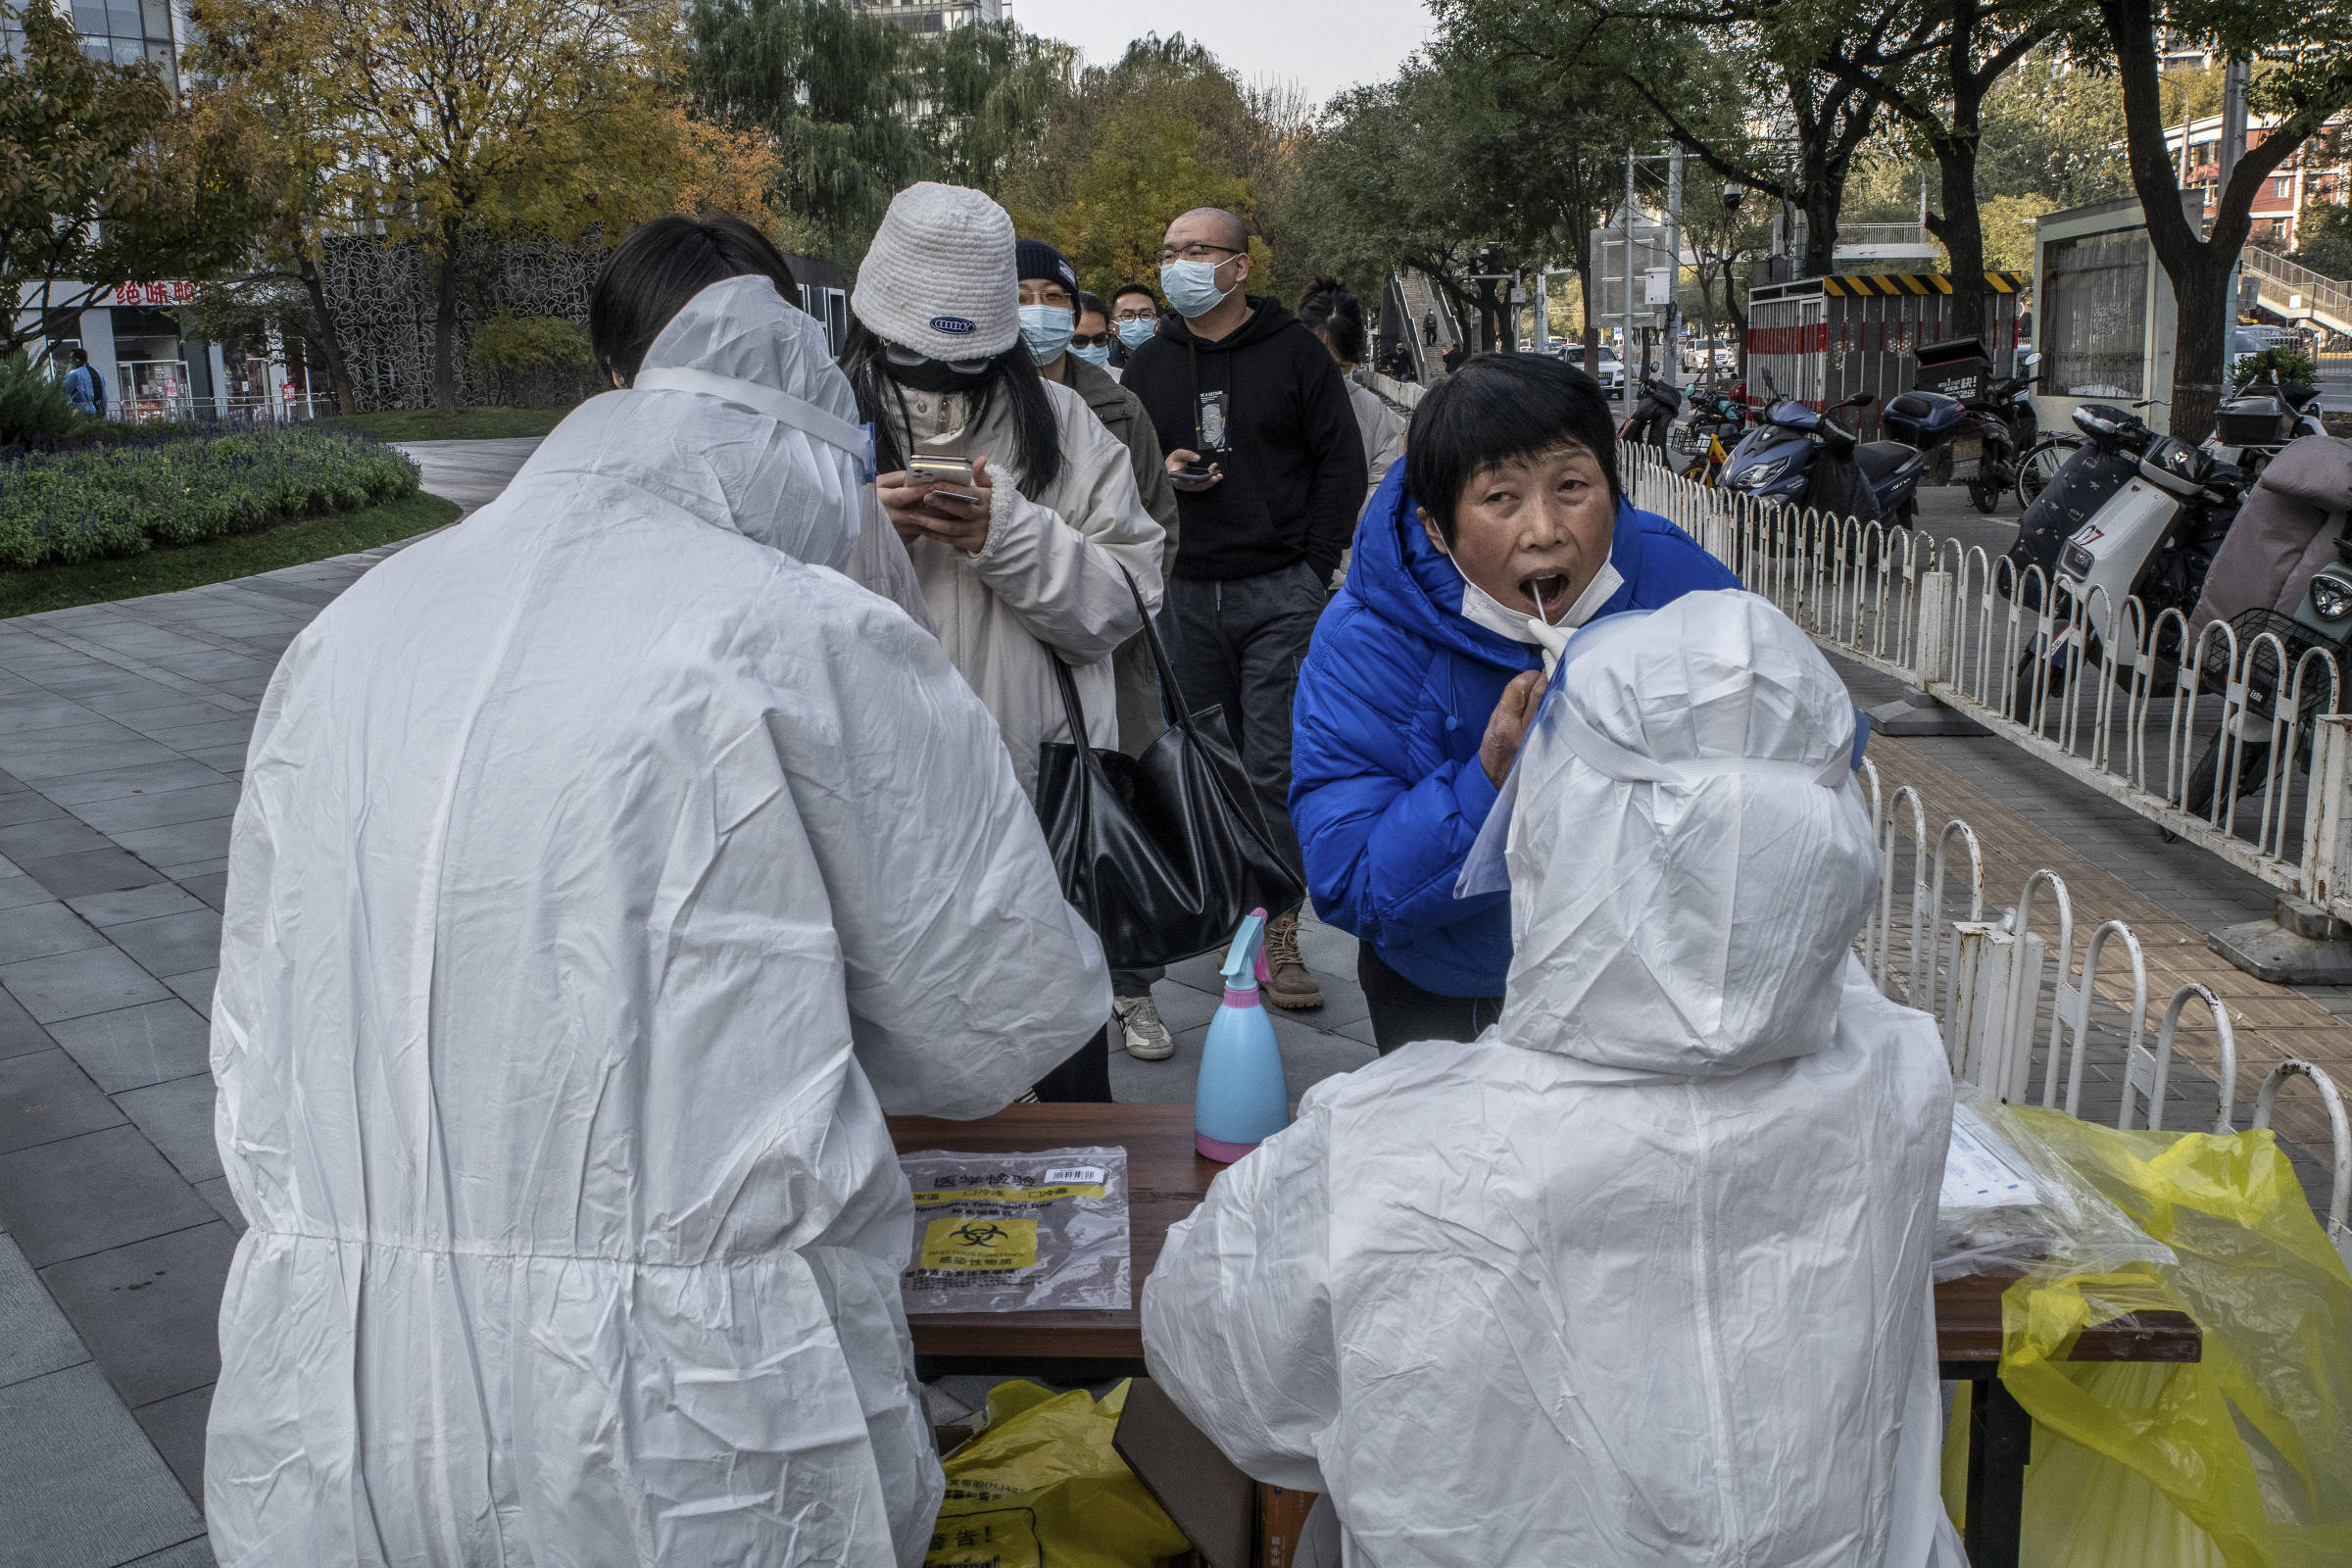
x,y
1482,608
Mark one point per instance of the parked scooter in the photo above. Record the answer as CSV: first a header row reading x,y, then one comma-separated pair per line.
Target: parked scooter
x,y
1981,437
2106,462
1789,454
1699,441
2249,428
2153,538
2323,619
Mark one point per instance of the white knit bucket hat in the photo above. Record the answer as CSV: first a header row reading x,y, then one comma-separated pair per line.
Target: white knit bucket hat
x,y
938,277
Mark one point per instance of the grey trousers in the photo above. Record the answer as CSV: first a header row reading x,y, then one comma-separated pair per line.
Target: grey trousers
x,y
1238,643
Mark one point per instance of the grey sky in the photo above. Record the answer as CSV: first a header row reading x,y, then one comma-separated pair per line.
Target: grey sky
x,y
1325,45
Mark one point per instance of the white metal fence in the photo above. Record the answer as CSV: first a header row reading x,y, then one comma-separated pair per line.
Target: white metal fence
x,y
2003,982
2124,712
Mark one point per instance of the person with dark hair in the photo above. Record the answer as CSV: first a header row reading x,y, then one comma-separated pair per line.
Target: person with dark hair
x,y
1094,339
1504,528
1048,279
1027,563
648,278
1270,474
1337,317
83,390
608,868
1135,312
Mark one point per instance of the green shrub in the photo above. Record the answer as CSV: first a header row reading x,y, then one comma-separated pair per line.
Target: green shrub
x,y
33,404
2279,365
528,345
118,498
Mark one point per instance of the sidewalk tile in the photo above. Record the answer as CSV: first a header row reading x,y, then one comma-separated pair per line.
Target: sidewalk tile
x,y
177,1118
35,768
114,783
40,841
197,1553
70,985
125,814
39,930
178,843
175,1426
130,1048
214,730
18,1033
26,805
148,1312
171,944
135,903
37,1340
83,1194
212,887
107,870
225,1202
196,989
45,1096
19,890
86,1488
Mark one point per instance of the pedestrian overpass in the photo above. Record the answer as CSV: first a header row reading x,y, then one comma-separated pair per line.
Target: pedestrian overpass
x,y
2299,294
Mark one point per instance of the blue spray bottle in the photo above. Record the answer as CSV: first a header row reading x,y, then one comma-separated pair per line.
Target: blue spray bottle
x,y
1242,1098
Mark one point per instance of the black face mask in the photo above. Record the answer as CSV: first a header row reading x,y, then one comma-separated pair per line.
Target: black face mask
x,y
933,375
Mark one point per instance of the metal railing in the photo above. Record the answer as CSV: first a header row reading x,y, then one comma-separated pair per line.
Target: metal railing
x,y
2318,296
1990,980
2213,746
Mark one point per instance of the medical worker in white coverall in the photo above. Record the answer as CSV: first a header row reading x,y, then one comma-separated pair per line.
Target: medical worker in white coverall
x,y
1640,1277
607,866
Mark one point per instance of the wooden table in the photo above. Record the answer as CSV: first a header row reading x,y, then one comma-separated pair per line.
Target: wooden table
x,y
1166,1180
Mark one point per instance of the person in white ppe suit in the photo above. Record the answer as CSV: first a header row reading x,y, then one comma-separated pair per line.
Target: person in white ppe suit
x,y
1641,1276
607,865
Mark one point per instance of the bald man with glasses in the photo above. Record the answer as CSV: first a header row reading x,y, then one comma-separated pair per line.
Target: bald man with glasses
x,y
1269,472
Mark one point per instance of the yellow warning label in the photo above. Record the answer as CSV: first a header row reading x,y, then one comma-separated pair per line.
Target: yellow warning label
x,y
1009,1195
1004,1538
979,1244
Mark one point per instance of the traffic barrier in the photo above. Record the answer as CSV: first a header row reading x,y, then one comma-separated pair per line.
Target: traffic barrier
x,y
2095,688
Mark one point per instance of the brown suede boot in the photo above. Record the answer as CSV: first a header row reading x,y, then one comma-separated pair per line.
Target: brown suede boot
x,y
1291,986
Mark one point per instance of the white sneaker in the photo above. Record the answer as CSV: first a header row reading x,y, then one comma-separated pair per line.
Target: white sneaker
x,y
1148,1039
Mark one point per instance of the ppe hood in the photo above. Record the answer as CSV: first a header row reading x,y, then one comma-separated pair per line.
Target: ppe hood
x,y
1696,921
732,463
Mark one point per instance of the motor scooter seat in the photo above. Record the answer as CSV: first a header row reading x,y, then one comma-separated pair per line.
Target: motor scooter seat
x,y
1879,459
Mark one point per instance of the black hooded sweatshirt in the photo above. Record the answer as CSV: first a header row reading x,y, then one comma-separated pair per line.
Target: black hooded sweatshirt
x,y
1293,460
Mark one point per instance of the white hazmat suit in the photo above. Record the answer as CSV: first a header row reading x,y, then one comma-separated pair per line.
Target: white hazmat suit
x,y
607,867
1641,1276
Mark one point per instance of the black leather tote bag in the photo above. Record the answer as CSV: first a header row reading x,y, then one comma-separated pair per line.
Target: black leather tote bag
x,y
1164,853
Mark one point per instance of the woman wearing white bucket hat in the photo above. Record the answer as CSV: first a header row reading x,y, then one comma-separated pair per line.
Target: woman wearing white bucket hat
x,y
1030,571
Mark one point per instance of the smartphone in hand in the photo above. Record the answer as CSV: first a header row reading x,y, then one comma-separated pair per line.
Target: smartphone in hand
x,y
939,470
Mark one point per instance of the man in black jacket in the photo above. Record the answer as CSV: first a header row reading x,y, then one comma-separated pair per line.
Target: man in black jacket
x,y
1269,472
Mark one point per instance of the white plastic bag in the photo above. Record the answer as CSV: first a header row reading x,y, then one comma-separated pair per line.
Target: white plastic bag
x,y
1017,1233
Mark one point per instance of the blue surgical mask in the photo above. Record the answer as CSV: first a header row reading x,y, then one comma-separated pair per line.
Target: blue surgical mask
x,y
1192,287
1095,354
1135,333
1046,330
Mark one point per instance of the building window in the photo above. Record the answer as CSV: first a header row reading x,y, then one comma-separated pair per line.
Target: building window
x,y
2094,310
128,31
2284,186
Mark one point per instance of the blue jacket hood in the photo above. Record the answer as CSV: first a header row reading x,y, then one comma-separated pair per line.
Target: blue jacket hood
x,y
1408,581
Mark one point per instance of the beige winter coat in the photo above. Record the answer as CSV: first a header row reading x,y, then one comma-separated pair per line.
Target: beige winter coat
x,y
1047,579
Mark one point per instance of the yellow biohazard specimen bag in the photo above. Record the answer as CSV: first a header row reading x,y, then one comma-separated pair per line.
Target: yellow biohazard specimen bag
x,y
2243,1458
1041,1487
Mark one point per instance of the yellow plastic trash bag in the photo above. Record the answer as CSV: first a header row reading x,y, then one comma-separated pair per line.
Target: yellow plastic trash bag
x,y
1041,1487
2243,1458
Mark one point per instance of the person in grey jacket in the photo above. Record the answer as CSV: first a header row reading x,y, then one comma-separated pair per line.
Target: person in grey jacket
x,y
1049,290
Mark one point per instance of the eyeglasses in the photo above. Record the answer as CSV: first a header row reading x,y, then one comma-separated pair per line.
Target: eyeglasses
x,y
1195,253
1091,340
1136,312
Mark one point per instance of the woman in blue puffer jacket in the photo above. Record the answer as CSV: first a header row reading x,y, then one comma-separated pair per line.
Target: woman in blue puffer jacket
x,y
1424,670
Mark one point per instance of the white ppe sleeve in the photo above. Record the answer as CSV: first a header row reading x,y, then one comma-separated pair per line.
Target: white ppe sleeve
x,y
1237,1314
970,976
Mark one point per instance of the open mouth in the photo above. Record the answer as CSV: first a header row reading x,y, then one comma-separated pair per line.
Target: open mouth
x,y
1546,591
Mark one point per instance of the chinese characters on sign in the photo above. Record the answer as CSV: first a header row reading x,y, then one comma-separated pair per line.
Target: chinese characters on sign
x,y
177,293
